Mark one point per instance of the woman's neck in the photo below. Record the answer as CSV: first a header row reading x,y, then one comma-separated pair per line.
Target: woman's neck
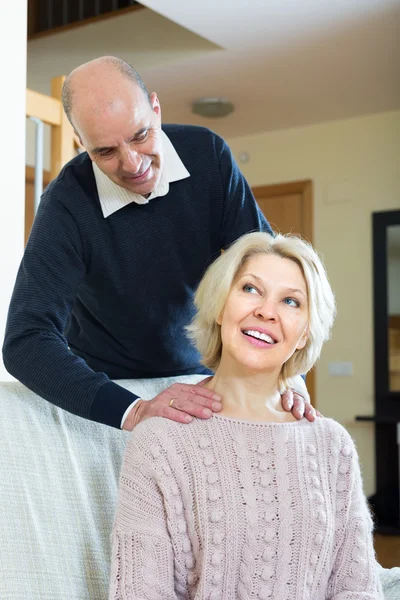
x,y
249,395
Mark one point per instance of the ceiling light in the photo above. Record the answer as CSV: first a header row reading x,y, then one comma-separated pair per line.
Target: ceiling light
x,y
212,107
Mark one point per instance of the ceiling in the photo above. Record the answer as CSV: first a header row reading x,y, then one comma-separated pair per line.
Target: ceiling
x,y
283,63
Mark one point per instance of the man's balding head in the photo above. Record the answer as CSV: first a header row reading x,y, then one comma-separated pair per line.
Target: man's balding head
x,y
98,79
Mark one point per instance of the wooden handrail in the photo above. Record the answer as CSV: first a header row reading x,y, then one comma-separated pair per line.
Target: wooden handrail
x,y
45,108
63,145
49,110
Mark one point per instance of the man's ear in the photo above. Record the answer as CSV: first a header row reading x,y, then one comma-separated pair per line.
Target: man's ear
x,y
77,139
155,104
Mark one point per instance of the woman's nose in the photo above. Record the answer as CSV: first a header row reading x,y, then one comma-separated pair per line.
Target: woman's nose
x,y
267,310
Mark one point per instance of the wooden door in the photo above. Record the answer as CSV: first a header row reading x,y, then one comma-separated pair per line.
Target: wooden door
x,y
289,209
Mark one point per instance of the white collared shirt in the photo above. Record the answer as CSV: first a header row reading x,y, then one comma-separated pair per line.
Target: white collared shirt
x,y
113,197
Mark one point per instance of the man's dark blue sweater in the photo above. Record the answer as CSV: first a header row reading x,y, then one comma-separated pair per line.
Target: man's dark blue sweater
x,y
98,299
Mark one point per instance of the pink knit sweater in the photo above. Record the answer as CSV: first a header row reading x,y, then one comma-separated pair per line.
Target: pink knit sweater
x,y
231,510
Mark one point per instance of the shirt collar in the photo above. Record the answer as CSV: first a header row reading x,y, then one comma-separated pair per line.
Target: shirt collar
x,y
113,197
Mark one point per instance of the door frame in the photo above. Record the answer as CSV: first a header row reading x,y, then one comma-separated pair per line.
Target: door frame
x,y
305,188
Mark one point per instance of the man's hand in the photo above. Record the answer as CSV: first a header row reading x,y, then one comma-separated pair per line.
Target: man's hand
x,y
180,402
297,401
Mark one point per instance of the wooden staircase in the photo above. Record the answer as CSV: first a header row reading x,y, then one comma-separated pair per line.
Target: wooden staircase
x,y
47,17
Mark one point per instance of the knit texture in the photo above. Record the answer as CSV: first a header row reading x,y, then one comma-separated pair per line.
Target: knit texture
x,y
99,299
225,509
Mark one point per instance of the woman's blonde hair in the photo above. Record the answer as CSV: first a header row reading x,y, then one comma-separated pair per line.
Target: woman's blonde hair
x,y
216,284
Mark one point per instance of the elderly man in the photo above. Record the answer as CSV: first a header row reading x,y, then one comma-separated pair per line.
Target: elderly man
x,y
119,244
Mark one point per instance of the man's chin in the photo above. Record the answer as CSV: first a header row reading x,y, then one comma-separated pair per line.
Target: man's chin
x,y
143,189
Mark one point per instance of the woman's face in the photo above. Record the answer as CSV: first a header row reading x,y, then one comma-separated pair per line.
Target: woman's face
x,y
265,318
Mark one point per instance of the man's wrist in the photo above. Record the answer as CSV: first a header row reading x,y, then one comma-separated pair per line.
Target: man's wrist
x,y
128,410
110,403
132,418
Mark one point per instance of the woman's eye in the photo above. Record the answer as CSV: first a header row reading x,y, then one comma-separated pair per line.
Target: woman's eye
x,y
250,289
292,302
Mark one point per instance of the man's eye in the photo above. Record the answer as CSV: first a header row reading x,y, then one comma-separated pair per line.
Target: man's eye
x,y
107,152
142,136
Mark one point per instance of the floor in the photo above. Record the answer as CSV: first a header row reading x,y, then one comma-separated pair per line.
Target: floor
x,y
387,548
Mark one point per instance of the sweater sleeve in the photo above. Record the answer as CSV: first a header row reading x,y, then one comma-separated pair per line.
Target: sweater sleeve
x,y
354,574
142,558
241,213
35,349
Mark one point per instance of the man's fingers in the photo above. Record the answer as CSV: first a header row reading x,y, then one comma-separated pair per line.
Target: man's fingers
x,y
287,400
309,412
204,392
177,415
189,406
196,395
214,405
158,407
298,406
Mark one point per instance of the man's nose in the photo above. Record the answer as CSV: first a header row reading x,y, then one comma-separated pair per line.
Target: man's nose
x,y
131,160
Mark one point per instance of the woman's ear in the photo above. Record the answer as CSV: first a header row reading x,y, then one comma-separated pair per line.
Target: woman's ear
x,y
303,340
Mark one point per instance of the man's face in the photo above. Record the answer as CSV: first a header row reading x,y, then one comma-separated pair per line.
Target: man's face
x,y
123,138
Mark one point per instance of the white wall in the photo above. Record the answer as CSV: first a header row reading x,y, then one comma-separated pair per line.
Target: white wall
x,y
355,167
12,150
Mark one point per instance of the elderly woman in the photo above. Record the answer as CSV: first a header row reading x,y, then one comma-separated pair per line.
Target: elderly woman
x,y
250,503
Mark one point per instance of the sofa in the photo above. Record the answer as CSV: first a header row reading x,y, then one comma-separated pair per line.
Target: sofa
x,y
59,480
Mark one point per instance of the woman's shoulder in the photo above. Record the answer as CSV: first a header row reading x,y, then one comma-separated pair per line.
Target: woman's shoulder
x,y
335,436
159,434
158,447
150,441
333,427
155,429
